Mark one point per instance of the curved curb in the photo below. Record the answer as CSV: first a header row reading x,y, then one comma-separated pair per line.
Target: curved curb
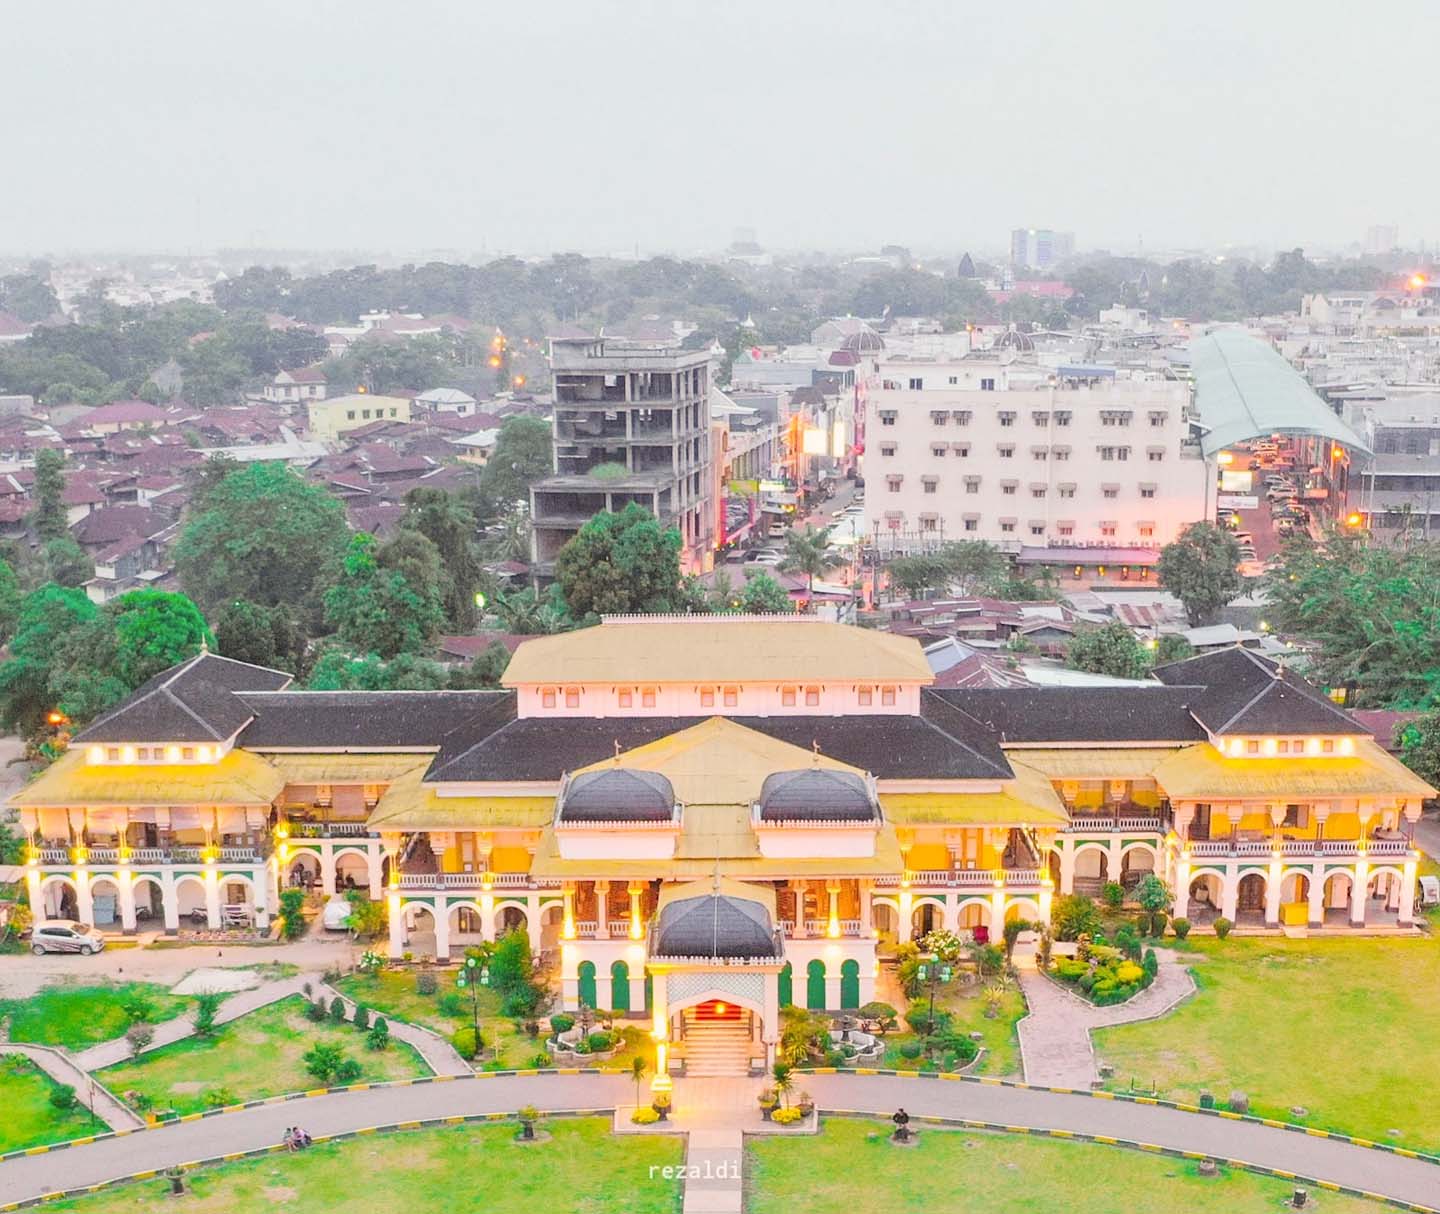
x,y
288,1096
1226,1114
1133,1144
277,1148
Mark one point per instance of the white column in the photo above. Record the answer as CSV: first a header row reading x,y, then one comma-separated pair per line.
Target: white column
x,y
1361,878
904,928
1181,909
487,916
212,898
1407,895
997,913
867,910
397,927
1316,913
260,881
1272,892
1229,892
327,868
602,919
442,930
84,903
169,902
126,885
532,921
951,916
373,866
1067,867
32,887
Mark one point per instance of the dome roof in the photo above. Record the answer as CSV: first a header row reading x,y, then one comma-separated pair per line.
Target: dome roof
x,y
618,794
865,341
816,794
714,925
1013,339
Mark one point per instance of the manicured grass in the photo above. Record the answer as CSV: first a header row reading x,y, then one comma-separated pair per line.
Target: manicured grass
x,y
582,1169
27,1118
1346,1029
850,1166
393,993
75,1016
967,1005
257,1055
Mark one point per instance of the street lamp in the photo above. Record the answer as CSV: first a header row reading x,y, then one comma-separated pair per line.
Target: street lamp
x,y
472,977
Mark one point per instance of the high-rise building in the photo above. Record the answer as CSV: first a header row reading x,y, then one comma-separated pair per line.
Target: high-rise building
x,y
1039,248
1381,238
632,424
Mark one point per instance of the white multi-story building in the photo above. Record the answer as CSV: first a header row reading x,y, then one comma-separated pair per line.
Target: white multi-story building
x,y
1008,451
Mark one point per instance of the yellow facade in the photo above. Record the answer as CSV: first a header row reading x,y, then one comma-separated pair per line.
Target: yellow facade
x,y
328,419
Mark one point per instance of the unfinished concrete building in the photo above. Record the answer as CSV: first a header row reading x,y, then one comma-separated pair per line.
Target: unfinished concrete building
x,y
632,424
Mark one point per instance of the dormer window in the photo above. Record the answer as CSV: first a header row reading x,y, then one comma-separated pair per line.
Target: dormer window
x,y
787,697
625,697
547,697
647,697
812,697
866,696
572,697
707,697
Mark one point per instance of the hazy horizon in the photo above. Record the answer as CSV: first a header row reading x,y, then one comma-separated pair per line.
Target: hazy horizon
x,y
606,127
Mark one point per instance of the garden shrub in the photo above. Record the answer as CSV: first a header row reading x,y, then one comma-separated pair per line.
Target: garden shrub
x,y
315,1011
219,1098
920,1021
426,983
378,1038
1152,963
911,1049
361,1019
1073,916
138,1007
1158,920
835,1058
1222,927
598,1042
337,1010
1127,939
960,1047
1087,979
644,1116
786,1116
292,913
322,1060
1070,969
561,1022
207,1003
1239,1102
466,1042
1181,928
1127,973
62,1096
541,1061
138,1036
1114,894
879,1016
348,1071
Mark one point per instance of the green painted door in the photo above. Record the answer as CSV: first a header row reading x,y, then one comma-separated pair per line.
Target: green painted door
x,y
586,975
787,985
620,987
815,985
850,984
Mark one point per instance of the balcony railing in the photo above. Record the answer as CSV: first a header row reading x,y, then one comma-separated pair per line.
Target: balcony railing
x,y
1103,822
473,881
329,830
148,855
1297,848
850,928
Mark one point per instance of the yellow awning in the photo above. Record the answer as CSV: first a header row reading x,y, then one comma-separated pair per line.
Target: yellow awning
x,y
239,778
1092,763
1201,773
719,762
345,768
409,805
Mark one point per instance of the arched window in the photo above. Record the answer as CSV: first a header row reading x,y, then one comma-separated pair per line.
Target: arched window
x,y
815,986
620,986
786,995
850,985
586,974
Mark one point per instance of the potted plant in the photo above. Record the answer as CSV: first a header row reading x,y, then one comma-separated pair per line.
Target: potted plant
x,y
660,1102
805,1103
527,1117
769,1101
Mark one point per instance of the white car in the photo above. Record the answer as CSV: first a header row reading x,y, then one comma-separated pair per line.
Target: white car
x,y
65,936
336,915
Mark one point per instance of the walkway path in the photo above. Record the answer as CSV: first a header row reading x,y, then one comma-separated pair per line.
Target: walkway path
x,y
1408,1180
1055,1045
63,1070
107,1053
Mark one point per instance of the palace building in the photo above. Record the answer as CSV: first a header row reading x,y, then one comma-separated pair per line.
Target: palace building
x,y
702,819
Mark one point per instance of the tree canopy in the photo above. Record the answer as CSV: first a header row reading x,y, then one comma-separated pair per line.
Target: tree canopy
x,y
620,562
378,610
1199,569
154,630
1112,649
260,533
262,636
522,455
763,595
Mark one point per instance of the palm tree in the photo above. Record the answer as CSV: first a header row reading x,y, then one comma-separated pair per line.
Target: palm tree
x,y
784,1076
807,552
637,1073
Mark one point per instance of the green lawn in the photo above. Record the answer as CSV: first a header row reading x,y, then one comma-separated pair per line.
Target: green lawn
x,y
850,1166
1347,1029
29,1118
967,1006
581,1170
69,1014
255,1056
393,993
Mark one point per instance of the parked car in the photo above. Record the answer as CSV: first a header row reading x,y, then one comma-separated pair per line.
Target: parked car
x,y
336,915
65,936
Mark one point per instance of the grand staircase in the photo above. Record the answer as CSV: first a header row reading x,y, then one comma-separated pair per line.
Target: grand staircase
x,y
716,1047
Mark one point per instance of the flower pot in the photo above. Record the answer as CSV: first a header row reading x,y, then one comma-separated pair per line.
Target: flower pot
x,y
662,1111
766,1111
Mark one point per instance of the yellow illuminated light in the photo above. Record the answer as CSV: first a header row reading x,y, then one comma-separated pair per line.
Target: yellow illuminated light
x,y
1225,457
1269,746
94,754
172,753
127,754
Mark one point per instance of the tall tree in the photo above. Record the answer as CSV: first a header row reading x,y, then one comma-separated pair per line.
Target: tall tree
x,y
445,520
154,630
50,520
620,563
763,595
522,454
807,551
377,610
1112,649
10,599
67,563
1199,569
47,617
339,671
261,533
262,636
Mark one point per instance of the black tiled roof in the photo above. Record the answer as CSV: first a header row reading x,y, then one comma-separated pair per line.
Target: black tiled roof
x,y
1247,693
618,794
1078,714
816,794
197,701
889,746
422,720
714,925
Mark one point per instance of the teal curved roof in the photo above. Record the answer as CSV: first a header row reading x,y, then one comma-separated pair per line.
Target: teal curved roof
x,y
1245,389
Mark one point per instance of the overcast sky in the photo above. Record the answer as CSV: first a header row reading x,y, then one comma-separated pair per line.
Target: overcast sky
x,y
599,125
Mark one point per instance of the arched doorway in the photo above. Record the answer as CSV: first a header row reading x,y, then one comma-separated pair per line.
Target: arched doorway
x,y
585,982
620,987
302,870
105,903
1136,863
1335,894
884,919
465,924
975,919
1250,898
850,985
925,917
1092,871
1295,888
787,985
510,918
352,871
1203,898
552,923
815,985
149,901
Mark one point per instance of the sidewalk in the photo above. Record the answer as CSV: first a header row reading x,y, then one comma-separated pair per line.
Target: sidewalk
x,y
63,1070
439,1055
1055,1045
